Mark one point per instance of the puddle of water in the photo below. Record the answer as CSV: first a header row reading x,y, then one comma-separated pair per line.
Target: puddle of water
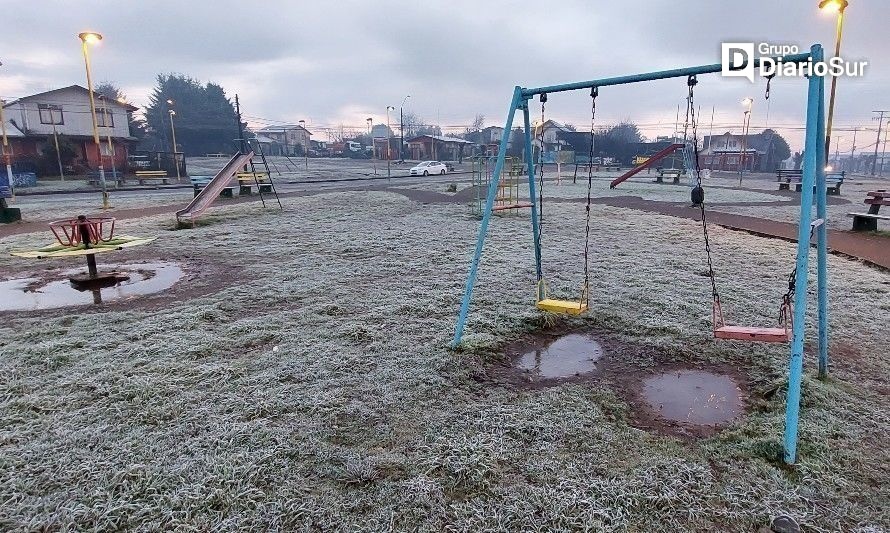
x,y
694,397
567,356
31,294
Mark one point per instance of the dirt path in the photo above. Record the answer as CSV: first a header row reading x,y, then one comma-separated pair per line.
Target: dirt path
x,y
871,248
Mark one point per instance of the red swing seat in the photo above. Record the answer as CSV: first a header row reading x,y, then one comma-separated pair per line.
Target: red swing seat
x,y
745,333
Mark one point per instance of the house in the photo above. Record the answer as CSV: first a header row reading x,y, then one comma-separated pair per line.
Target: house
x,y
381,131
756,152
286,139
438,147
66,112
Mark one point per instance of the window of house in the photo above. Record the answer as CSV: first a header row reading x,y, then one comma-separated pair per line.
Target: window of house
x,y
50,114
104,118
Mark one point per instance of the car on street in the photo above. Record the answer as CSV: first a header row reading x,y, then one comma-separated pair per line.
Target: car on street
x,y
425,168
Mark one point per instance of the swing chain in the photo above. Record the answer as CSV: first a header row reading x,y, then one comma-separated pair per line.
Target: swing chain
x,y
788,297
543,99
594,92
691,82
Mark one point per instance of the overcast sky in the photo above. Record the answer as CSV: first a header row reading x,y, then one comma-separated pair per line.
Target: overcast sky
x,y
339,62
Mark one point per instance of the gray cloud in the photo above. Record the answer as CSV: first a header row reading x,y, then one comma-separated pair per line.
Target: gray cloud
x,y
339,62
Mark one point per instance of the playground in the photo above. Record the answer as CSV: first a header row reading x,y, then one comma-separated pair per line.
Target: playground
x,y
307,368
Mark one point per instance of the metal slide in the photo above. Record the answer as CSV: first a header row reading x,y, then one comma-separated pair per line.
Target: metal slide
x,y
211,192
654,158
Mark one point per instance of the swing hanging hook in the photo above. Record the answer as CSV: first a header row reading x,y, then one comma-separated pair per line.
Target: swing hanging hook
x,y
543,97
692,81
769,80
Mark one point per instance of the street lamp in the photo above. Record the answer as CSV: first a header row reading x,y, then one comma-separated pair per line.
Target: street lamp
x,y
304,145
90,37
746,125
7,158
175,153
402,129
833,6
388,142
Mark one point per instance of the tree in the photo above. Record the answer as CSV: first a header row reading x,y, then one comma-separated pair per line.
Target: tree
x,y
48,162
110,91
205,118
478,122
776,147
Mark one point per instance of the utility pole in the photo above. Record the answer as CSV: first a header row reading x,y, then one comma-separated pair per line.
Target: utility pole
x,y
880,119
853,152
884,151
52,118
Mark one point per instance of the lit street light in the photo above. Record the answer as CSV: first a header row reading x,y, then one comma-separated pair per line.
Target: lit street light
x,y
833,6
89,37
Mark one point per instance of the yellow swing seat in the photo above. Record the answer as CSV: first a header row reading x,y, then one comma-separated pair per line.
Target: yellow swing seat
x,y
564,307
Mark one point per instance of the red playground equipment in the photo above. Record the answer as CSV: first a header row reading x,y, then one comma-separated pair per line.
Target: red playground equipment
x,y
654,158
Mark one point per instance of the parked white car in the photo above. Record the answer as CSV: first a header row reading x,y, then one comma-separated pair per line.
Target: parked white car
x,y
426,168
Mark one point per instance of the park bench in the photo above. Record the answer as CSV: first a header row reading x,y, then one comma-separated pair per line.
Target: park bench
x,y
833,182
148,175
787,176
247,179
869,221
673,173
199,182
114,176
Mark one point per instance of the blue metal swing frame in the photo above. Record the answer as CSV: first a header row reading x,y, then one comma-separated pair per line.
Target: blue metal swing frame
x,y
813,184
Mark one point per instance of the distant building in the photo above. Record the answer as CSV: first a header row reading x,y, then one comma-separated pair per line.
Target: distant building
x,y
438,147
381,131
756,152
286,139
31,120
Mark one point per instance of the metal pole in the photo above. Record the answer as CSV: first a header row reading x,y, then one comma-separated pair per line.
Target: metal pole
x,y
837,52
173,133
86,60
874,163
813,163
486,218
884,151
822,244
56,139
388,144
6,157
402,135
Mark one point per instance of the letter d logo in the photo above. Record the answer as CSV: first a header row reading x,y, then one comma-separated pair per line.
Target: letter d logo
x,y
737,60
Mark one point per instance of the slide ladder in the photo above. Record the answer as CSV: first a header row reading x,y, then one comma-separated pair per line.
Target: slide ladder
x,y
654,158
216,185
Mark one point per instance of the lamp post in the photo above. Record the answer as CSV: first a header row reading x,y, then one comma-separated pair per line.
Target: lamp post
x,y
86,38
832,6
304,145
388,142
746,124
172,113
402,128
7,158
370,121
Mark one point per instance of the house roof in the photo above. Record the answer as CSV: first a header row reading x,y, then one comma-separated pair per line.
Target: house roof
x,y
283,127
755,141
78,88
440,138
264,139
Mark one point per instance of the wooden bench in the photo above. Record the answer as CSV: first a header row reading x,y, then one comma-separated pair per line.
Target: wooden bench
x,y
199,182
673,173
869,221
833,181
146,175
110,176
786,177
247,179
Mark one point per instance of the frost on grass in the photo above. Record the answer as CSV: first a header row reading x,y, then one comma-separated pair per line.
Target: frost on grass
x,y
362,419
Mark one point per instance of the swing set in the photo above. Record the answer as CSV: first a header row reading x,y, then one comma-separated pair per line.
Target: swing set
x,y
792,310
